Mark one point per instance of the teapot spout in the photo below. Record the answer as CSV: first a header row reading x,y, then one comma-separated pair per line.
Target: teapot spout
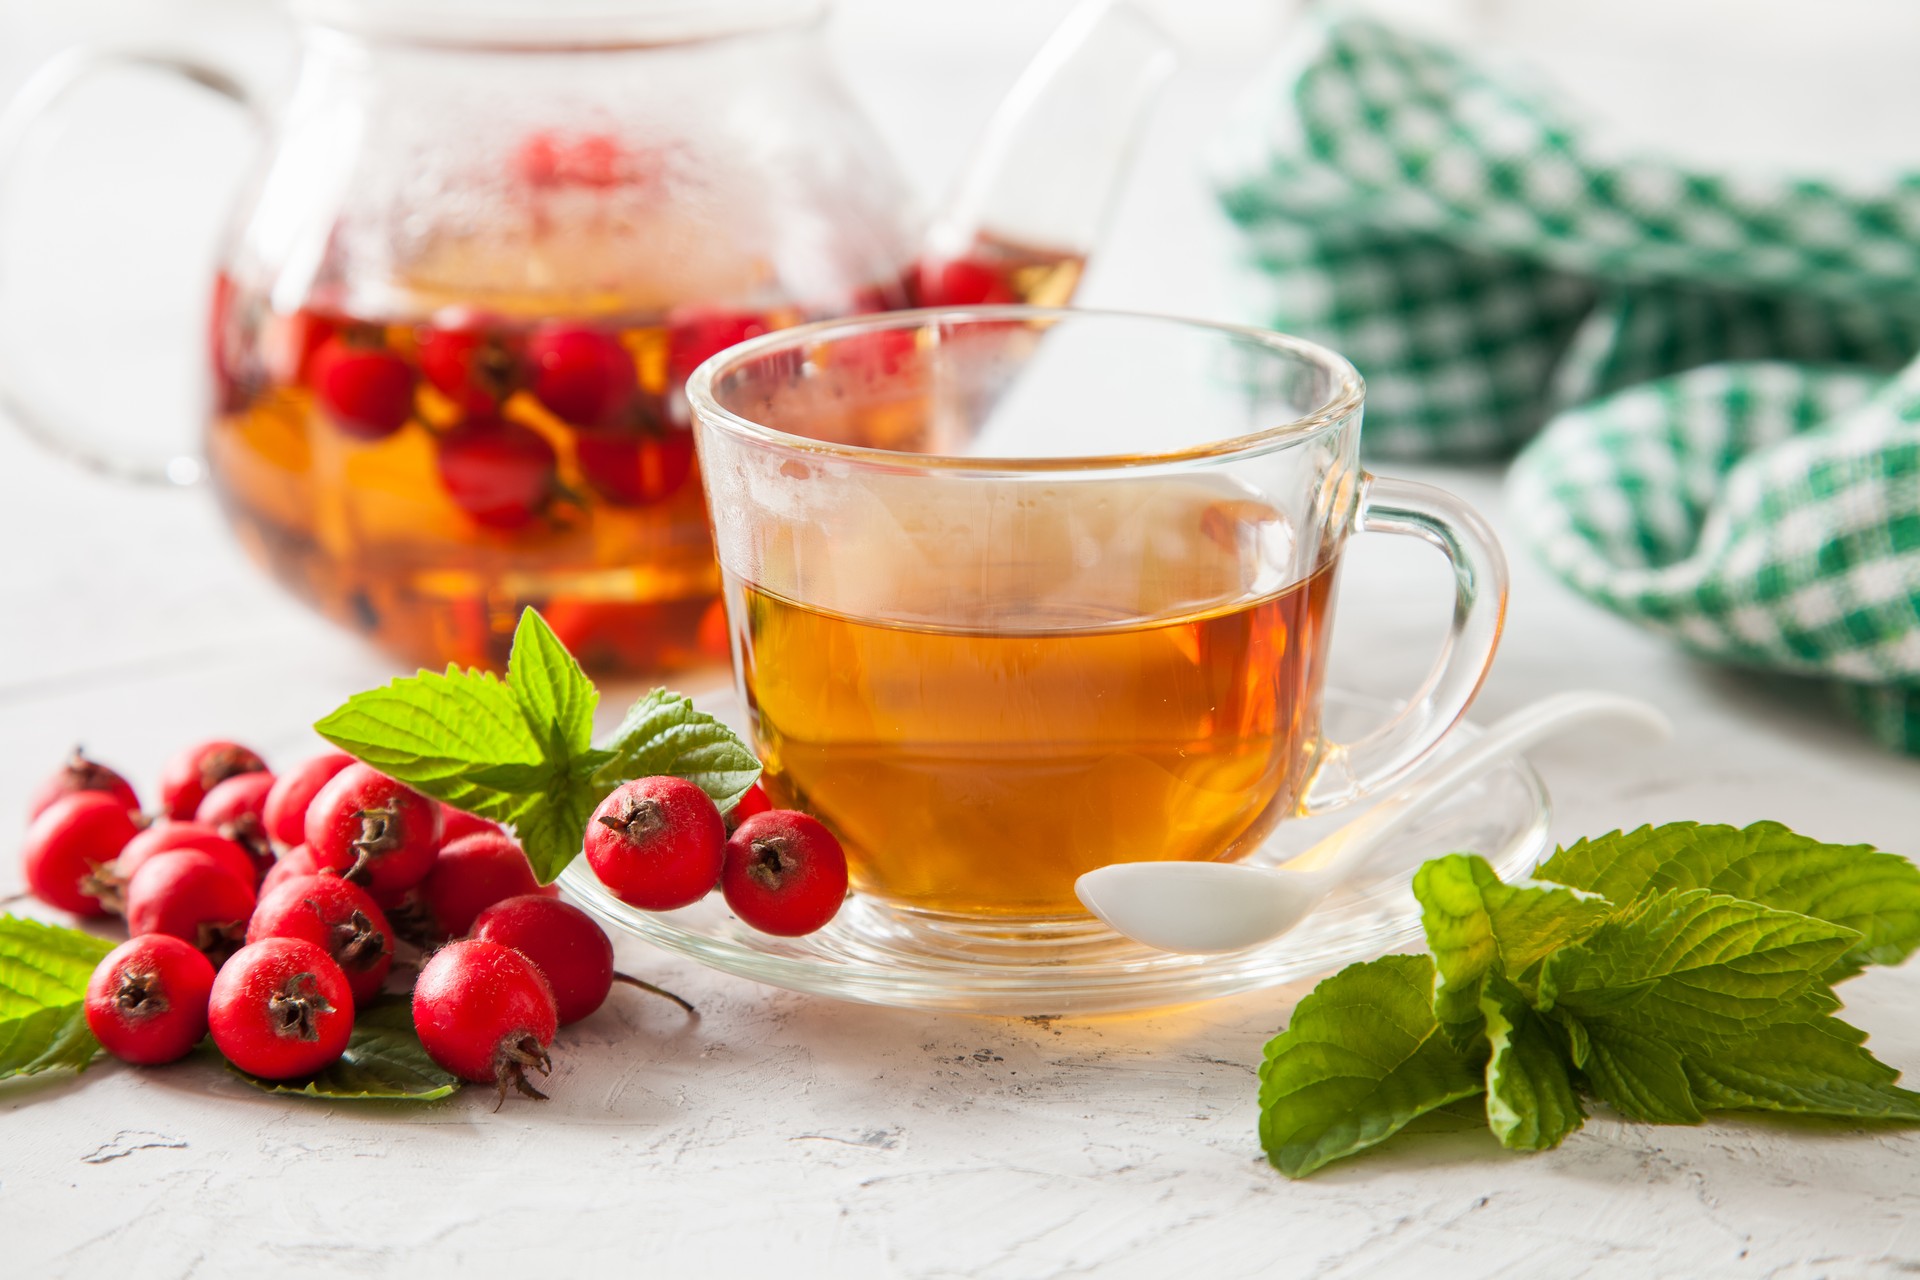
x,y
1034,198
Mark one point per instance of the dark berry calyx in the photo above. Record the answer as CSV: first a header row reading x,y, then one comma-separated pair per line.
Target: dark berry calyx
x,y
635,818
354,942
295,1009
139,995
218,941
250,834
102,882
380,832
772,862
227,762
511,1060
87,775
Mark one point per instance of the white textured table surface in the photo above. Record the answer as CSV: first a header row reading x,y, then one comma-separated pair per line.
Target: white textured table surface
x,y
795,1136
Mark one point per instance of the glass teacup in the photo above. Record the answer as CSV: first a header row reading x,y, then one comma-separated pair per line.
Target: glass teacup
x,y
1015,592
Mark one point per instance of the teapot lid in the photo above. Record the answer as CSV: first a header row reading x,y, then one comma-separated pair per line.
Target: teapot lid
x,y
552,24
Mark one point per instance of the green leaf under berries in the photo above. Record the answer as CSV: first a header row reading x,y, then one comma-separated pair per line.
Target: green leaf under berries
x,y
43,986
1362,1057
1877,894
384,1060
664,734
520,751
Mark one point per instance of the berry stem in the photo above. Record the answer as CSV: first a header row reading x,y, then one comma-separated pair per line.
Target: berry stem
x,y
510,1068
634,817
644,985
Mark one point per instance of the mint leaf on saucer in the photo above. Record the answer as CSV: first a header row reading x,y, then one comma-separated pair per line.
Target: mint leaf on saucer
x,y
1858,886
43,987
663,733
1361,1058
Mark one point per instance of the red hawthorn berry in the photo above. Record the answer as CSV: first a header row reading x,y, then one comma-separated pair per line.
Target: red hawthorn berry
x,y
572,952
82,774
366,393
69,845
335,916
485,1013
501,474
297,861
785,873
373,830
285,811
147,1000
471,874
583,376
170,837
188,895
188,777
657,843
281,1009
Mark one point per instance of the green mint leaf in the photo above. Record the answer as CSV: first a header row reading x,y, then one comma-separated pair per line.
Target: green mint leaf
x,y
384,1060
1818,1068
1875,893
460,737
663,734
1531,1105
1693,966
1476,925
1642,1077
551,824
1361,1058
554,693
43,986
519,751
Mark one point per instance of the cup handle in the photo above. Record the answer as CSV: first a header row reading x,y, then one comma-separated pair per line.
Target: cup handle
x,y
1347,771
30,106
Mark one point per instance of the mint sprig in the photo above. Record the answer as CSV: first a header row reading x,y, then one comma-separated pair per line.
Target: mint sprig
x,y
43,987
520,751
1667,973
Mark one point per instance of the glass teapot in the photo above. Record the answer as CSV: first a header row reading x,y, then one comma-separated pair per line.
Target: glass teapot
x,y
487,240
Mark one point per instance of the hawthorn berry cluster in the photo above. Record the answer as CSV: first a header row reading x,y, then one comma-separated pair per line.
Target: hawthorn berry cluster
x,y
491,395
660,843
265,908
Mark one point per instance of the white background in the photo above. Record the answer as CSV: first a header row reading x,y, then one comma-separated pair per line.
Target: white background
x,y
783,1135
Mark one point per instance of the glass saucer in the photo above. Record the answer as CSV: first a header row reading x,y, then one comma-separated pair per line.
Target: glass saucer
x,y
879,956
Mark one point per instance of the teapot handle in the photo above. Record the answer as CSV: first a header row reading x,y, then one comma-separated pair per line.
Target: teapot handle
x,y
42,92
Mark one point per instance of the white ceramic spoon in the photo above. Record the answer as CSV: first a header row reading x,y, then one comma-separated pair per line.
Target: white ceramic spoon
x,y
1224,906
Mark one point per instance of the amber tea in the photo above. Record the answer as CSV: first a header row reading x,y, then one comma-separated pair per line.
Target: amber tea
x,y
980,771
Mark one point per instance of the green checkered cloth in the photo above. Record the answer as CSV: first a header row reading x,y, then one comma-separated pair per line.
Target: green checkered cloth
x,y
1726,456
